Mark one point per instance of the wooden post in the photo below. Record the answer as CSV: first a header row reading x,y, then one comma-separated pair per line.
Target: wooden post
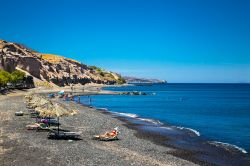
x,y
58,125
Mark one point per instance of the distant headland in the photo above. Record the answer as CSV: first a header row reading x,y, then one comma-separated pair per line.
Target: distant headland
x,y
136,80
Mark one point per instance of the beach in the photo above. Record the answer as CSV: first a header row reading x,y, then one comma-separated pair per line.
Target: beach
x,y
121,83
19,146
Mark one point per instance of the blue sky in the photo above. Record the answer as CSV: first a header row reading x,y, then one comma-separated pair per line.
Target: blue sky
x,y
176,40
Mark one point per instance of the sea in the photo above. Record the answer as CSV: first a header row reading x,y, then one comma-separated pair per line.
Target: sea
x,y
193,116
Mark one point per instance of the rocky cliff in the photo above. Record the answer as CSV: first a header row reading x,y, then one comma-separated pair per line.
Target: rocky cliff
x,y
52,68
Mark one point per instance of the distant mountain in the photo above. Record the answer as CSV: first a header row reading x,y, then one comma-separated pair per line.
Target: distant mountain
x,y
52,68
142,80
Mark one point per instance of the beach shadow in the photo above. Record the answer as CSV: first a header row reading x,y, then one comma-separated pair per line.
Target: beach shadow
x,y
11,91
110,140
64,138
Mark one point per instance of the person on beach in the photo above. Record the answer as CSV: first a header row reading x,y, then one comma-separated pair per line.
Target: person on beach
x,y
89,100
111,134
108,135
79,99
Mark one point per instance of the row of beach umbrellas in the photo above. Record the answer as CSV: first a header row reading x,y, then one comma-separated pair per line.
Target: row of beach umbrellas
x,y
46,108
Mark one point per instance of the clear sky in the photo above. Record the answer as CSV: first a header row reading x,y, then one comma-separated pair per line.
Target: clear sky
x,y
176,40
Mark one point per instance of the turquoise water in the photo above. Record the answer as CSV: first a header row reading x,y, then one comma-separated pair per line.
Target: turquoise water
x,y
216,112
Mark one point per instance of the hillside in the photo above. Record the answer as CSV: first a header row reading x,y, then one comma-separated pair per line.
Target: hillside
x,y
52,68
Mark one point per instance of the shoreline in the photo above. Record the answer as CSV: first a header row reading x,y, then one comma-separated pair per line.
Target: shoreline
x,y
144,130
156,139
207,152
21,147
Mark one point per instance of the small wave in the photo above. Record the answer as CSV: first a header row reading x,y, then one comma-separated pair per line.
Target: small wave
x,y
151,121
125,114
137,117
104,109
167,128
192,130
227,145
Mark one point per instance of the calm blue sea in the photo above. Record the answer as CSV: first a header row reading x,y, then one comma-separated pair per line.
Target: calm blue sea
x,y
217,112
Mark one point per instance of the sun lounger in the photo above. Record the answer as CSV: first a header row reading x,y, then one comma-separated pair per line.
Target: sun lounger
x,y
34,114
50,121
54,134
29,107
37,126
31,110
105,138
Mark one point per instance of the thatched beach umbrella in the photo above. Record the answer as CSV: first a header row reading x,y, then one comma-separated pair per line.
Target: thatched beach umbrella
x,y
29,95
41,102
31,100
41,107
38,101
46,108
56,110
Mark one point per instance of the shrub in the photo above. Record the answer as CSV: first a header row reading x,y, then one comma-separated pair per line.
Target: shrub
x,y
95,68
102,74
121,80
14,77
5,77
17,76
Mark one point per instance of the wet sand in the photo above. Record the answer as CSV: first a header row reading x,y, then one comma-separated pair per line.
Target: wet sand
x,y
19,146
188,146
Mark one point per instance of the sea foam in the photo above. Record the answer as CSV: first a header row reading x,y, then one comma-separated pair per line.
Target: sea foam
x,y
137,117
167,128
151,121
189,129
125,114
227,145
102,109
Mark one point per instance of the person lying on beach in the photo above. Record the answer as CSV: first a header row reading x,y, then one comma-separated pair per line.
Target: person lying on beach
x,y
108,135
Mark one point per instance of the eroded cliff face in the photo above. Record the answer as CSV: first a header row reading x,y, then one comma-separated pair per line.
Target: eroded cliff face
x,y
52,68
